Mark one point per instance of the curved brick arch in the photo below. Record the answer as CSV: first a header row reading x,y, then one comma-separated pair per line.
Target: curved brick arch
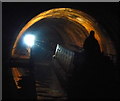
x,y
76,16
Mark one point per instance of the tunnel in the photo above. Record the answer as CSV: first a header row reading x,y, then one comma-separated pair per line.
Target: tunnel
x,y
69,25
64,26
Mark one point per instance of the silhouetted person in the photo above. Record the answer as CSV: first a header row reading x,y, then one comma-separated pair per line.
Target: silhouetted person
x,y
91,45
92,51
92,72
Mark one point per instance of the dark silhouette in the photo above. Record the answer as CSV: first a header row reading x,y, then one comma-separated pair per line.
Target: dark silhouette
x,y
92,77
91,45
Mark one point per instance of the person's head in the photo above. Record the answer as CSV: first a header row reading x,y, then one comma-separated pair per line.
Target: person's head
x,y
92,33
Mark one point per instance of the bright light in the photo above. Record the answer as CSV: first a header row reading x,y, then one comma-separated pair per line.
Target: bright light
x,y
29,40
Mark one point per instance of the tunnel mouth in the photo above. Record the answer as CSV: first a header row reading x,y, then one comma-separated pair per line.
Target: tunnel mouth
x,y
84,24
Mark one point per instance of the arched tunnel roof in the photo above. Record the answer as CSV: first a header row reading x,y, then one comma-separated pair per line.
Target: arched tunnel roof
x,y
72,25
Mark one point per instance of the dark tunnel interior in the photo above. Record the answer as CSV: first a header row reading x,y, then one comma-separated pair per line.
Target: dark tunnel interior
x,y
58,67
58,30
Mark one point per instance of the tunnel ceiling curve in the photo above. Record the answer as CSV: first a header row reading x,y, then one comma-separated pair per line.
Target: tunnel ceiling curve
x,y
78,17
